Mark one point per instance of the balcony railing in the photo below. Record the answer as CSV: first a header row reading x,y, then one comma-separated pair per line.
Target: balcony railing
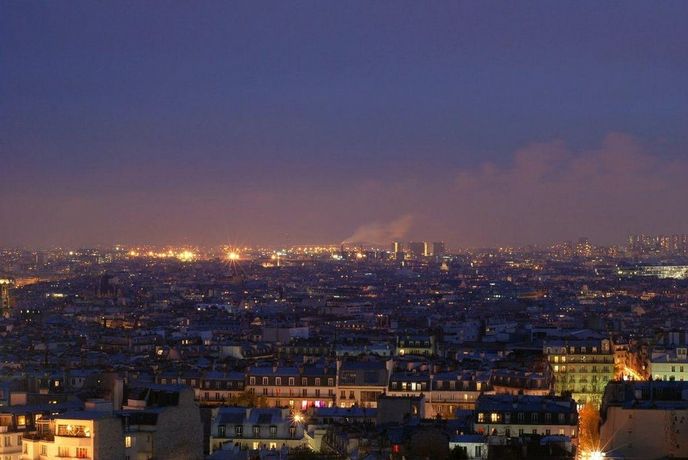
x,y
39,436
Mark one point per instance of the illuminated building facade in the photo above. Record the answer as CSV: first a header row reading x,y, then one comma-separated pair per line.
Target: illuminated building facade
x,y
663,244
82,434
656,271
669,364
298,388
645,420
256,428
6,285
581,367
515,416
362,382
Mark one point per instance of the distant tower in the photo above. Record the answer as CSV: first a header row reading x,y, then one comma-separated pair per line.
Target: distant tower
x,y
397,250
40,259
438,249
417,249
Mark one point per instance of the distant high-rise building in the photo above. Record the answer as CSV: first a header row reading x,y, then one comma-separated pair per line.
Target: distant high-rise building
x,y
5,297
438,249
416,249
108,286
40,259
665,244
397,251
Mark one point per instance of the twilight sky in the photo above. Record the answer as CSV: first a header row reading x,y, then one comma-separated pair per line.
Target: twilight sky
x,y
291,122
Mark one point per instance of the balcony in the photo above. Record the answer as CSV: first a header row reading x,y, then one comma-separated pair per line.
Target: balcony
x,y
39,436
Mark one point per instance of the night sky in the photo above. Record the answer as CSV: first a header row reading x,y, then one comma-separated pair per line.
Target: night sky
x,y
291,122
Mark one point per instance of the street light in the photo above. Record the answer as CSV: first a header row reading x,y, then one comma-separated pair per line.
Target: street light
x,y
593,455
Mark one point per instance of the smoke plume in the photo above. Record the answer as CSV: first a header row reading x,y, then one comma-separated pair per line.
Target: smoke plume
x,y
381,232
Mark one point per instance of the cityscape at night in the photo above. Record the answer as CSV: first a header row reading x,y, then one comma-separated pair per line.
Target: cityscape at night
x,y
366,230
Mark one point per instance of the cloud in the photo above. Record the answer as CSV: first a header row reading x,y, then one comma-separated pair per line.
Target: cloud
x,y
550,191
381,233
542,192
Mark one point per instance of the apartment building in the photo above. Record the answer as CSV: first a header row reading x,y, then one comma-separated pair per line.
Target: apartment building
x,y
294,387
512,416
162,421
456,390
581,366
669,364
362,382
645,419
79,434
255,429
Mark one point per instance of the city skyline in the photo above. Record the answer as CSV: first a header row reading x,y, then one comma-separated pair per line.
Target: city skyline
x,y
308,229
280,124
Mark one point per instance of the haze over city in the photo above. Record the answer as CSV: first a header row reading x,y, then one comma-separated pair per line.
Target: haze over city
x,y
270,123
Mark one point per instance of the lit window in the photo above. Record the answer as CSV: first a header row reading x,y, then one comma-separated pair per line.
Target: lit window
x,y
127,441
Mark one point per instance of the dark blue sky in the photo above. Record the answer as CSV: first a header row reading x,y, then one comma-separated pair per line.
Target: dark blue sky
x,y
294,122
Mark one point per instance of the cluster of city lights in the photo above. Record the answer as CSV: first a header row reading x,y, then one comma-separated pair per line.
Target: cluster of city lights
x,y
185,255
314,249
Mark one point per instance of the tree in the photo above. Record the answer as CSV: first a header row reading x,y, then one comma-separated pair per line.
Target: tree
x,y
248,399
305,453
457,453
589,428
